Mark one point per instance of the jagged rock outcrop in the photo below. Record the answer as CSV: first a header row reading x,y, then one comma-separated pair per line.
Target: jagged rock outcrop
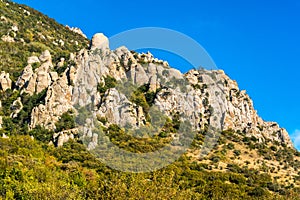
x,y
204,97
99,41
5,81
64,136
7,38
16,107
239,114
45,57
76,30
36,81
57,102
32,60
117,109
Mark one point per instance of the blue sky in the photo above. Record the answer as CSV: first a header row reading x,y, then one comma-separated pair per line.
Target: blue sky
x,y
255,42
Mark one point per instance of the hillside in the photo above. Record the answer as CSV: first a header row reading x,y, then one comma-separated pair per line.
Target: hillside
x,y
26,32
63,104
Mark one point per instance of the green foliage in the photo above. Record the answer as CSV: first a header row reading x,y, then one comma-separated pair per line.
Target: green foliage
x,y
66,121
41,134
137,144
109,82
237,152
230,146
19,124
139,99
36,33
29,102
7,98
32,170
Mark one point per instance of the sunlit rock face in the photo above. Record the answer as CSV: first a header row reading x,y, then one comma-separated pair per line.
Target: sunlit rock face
x,y
208,98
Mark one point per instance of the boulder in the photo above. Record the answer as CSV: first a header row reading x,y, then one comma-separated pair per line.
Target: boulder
x,y
99,41
45,56
7,38
25,77
33,59
5,81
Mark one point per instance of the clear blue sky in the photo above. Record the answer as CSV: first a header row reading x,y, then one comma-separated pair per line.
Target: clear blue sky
x,y
256,42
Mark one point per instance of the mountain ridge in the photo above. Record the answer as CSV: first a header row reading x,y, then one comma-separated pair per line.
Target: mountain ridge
x,y
56,90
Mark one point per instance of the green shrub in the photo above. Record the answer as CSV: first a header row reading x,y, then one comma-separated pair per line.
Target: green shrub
x,y
237,152
66,122
109,82
230,146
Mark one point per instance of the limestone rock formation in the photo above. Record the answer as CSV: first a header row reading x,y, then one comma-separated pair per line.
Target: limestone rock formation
x,y
206,98
57,102
36,81
76,30
64,136
117,109
16,107
46,56
25,77
33,59
99,41
7,38
5,81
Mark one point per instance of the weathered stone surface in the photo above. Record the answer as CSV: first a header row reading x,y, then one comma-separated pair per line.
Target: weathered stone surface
x,y
43,80
76,30
25,77
57,102
7,38
33,59
61,62
16,107
54,76
117,109
30,88
46,56
99,41
239,114
35,82
174,73
5,81
64,136
205,97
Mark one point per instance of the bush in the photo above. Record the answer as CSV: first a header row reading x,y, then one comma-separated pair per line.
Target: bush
x,y
237,152
230,146
66,122
41,134
273,148
109,82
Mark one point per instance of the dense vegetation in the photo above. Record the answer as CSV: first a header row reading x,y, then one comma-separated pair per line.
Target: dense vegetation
x,y
18,125
32,33
33,170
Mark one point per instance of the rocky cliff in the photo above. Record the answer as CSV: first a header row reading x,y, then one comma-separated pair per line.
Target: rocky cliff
x,y
209,97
